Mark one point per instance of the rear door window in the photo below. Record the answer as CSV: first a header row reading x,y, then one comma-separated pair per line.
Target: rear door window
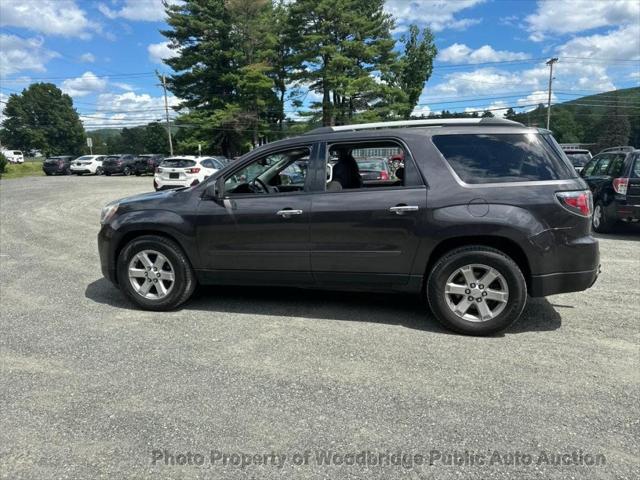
x,y
500,158
616,166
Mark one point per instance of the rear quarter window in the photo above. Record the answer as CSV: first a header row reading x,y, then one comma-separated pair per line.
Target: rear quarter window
x,y
500,158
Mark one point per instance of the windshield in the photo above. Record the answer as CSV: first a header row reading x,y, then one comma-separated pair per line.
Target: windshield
x,y
86,157
178,163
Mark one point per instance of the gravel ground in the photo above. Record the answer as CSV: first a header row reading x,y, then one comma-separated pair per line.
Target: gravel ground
x,y
93,388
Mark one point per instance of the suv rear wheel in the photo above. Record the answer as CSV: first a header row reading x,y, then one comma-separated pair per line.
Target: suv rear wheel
x,y
476,290
154,273
601,220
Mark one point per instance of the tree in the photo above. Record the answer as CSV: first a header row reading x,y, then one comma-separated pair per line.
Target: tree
x,y
155,138
43,118
564,126
487,114
224,71
415,66
510,114
614,127
344,51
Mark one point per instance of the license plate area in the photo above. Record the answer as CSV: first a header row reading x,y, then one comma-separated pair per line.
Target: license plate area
x,y
174,175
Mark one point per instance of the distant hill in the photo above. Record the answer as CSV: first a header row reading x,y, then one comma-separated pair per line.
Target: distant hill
x,y
582,120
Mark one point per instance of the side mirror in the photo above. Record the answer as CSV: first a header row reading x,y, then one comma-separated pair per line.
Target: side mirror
x,y
215,190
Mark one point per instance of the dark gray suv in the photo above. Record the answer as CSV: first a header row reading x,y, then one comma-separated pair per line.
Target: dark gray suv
x,y
481,213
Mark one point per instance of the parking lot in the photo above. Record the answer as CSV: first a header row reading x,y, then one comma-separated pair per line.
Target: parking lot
x,y
94,388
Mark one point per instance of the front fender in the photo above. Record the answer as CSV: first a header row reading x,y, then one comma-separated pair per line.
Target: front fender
x,y
163,222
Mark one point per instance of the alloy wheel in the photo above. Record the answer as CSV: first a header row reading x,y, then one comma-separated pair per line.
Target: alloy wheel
x,y
597,216
476,292
151,274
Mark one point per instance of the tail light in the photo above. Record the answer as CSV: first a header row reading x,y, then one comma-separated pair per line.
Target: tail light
x,y
384,176
579,202
158,170
193,170
620,185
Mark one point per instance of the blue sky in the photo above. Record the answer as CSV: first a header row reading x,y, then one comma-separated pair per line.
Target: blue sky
x,y
492,52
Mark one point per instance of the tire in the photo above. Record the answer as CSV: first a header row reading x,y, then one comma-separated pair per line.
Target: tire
x,y
48,174
449,269
99,171
601,221
67,171
184,281
126,171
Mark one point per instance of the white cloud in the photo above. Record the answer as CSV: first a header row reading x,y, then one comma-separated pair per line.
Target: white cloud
x,y
572,16
438,14
18,54
3,104
421,110
141,10
50,17
460,53
83,85
534,98
87,57
160,51
621,43
128,109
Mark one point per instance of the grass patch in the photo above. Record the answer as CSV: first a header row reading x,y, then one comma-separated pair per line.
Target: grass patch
x,y
26,169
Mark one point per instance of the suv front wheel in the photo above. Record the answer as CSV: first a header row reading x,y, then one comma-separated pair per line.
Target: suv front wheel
x,y
154,273
476,290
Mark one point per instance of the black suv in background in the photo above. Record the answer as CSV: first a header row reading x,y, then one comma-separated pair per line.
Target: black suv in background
x,y
483,212
123,163
147,163
59,165
613,176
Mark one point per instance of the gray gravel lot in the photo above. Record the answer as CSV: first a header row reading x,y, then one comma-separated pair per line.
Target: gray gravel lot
x,y
91,386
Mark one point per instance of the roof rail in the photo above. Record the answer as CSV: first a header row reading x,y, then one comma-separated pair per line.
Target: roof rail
x,y
432,122
618,149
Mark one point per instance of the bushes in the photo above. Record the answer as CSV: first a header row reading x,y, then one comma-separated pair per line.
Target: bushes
x,y
3,163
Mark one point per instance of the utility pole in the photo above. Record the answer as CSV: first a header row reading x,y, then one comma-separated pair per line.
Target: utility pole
x,y
550,63
166,110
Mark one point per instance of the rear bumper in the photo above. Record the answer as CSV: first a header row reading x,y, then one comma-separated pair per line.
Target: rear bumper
x,y
553,283
629,213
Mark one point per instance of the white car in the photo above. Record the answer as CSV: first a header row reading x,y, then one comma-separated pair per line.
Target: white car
x,y
87,164
184,171
14,156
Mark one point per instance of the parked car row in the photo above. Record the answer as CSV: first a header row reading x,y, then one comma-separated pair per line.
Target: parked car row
x,y
126,164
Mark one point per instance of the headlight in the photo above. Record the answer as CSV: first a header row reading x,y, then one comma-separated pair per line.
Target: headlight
x,y
108,211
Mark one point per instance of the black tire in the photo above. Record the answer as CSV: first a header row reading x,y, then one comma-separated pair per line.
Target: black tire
x,y
99,171
476,254
67,171
126,171
48,174
185,281
602,221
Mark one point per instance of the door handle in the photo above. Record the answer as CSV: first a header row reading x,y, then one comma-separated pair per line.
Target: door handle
x,y
287,212
402,209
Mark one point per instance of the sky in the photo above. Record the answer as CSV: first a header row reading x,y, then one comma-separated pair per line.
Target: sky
x,y
492,53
